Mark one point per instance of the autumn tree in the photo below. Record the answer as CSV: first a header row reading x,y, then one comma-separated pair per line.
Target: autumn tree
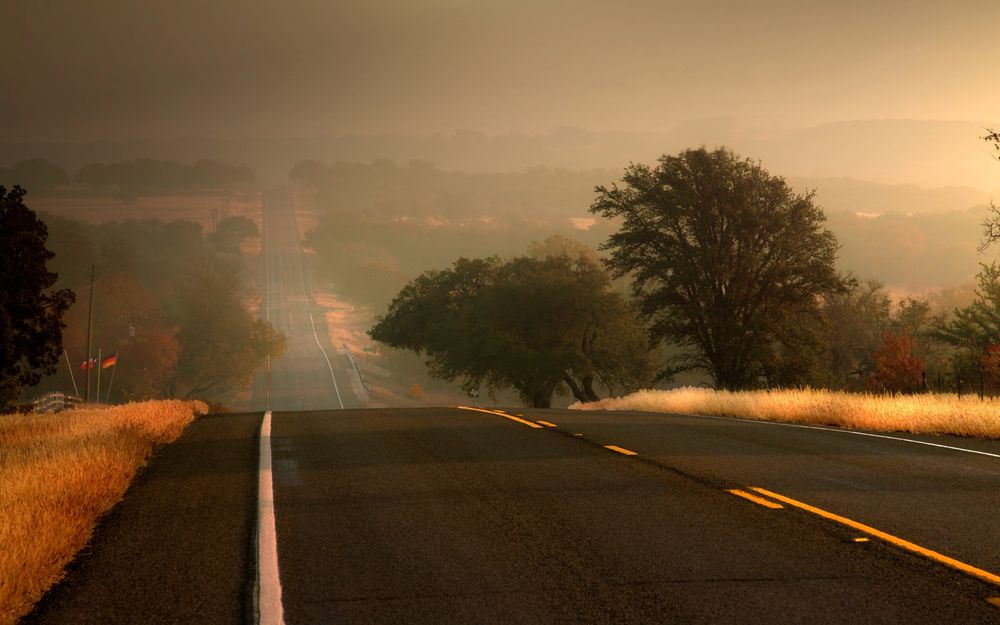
x,y
725,259
222,344
30,311
897,369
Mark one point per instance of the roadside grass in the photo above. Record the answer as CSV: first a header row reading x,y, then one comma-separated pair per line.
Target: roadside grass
x,y
58,474
926,413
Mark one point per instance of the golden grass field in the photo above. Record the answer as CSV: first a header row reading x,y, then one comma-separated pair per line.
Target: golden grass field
x,y
919,414
58,474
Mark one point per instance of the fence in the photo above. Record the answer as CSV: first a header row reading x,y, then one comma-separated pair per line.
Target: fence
x,y
354,363
54,402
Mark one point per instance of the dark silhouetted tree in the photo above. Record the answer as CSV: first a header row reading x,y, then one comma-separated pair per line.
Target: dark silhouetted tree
x,y
532,324
35,174
991,226
230,233
30,312
724,259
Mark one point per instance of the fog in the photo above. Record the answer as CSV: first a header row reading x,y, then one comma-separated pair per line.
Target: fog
x,y
114,69
411,133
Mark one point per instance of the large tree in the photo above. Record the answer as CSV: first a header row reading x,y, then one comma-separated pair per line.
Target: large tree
x,y
30,312
725,258
531,323
221,344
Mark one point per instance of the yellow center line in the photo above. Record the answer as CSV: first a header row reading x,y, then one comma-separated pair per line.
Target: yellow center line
x,y
994,600
755,499
621,450
501,414
547,424
889,538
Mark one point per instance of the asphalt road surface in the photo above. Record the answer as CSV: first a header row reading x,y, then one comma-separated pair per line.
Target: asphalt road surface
x,y
312,374
442,515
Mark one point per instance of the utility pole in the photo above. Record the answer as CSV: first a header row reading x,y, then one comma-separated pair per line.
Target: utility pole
x,y
100,355
112,382
72,376
90,331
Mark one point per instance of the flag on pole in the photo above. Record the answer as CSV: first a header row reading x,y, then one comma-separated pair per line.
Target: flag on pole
x,y
88,364
110,361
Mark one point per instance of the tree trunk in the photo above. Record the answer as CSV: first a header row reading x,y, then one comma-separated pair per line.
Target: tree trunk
x,y
578,392
588,388
541,399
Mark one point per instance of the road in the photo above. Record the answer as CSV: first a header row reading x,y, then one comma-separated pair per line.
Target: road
x,y
445,515
449,515
312,374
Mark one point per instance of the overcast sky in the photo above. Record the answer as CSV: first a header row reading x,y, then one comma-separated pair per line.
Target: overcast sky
x,y
96,69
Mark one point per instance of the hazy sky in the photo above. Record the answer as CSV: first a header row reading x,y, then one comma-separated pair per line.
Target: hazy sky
x,y
94,69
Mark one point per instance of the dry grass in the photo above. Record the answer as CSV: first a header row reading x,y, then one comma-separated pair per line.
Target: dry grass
x,y
924,414
58,474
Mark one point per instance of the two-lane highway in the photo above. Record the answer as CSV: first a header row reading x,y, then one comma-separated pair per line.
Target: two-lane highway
x,y
312,375
447,515
938,491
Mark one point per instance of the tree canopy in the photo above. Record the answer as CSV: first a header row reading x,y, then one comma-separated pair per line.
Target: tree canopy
x,y
36,174
30,312
146,175
727,261
221,344
531,323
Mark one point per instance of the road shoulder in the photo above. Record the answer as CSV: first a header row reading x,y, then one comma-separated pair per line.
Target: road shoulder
x,y
179,547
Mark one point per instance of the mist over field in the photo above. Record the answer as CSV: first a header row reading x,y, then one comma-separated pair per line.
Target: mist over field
x,y
409,135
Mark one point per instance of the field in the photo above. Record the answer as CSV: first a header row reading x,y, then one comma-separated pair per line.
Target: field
x,y
919,414
58,474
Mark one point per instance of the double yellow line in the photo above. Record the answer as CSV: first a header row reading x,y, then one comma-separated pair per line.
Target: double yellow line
x,y
770,499
930,554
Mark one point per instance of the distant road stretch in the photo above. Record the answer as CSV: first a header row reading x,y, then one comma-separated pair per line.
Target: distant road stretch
x,y
312,374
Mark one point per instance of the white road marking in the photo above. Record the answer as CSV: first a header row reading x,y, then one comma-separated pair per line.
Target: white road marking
x,y
840,431
327,358
269,610
308,297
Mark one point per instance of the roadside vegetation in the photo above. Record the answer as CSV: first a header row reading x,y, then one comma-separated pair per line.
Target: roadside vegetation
x,y
734,284
534,323
58,474
173,301
925,413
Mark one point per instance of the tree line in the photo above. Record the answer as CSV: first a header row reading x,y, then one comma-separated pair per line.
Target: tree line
x,y
731,275
172,301
131,177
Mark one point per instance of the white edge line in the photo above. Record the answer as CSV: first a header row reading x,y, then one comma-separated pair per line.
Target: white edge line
x,y
821,429
327,358
269,610
298,257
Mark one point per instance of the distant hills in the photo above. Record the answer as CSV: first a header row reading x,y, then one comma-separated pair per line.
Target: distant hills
x,y
872,198
927,154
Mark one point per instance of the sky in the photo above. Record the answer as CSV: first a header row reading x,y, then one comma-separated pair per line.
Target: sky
x,y
171,69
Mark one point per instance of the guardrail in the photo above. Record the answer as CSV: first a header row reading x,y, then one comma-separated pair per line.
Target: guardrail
x,y
354,363
54,402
